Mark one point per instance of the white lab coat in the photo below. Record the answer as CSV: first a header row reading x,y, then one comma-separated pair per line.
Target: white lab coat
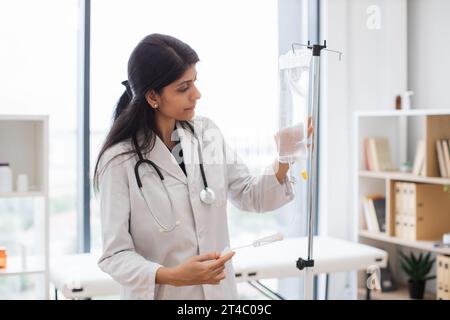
x,y
133,246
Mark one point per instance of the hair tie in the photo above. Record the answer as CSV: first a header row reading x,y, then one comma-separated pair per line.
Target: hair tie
x,y
128,88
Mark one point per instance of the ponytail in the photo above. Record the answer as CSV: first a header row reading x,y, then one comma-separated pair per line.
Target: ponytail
x,y
124,100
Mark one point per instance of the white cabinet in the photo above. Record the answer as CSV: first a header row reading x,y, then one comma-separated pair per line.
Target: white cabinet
x,y
24,216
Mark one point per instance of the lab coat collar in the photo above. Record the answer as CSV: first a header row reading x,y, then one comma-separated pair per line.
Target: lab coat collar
x,y
165,160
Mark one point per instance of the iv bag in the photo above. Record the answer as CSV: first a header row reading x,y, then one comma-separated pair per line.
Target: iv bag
x,y
294,76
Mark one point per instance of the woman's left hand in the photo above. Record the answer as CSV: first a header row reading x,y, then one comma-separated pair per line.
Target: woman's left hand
x,y
281,168
291,140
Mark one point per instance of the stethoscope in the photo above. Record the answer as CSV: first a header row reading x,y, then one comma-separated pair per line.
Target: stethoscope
x,y
207,195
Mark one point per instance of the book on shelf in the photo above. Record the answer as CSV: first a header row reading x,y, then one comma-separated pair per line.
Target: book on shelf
x,y
445,149
367,157
377,154
379,204
374,207
442,150
419,158
367,215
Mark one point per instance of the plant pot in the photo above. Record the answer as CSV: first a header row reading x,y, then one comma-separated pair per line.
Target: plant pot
x,y
416,289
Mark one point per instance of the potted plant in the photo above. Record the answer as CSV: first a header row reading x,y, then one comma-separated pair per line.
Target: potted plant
x,y
417,268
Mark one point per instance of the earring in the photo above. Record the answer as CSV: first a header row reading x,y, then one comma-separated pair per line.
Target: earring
x,y
155,106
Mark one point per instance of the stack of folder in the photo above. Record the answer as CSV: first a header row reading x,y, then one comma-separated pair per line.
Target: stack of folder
x,y
422,211
443,277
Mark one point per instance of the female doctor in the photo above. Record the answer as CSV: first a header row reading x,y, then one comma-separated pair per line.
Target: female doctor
x,y
164,178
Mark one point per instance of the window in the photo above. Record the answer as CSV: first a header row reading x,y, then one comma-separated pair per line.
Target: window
x,y
237,75
38,76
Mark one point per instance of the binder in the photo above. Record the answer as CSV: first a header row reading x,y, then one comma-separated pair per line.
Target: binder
x,y
404,211
431,205
398,203
446,278
422,211
443,277
439,280
411,211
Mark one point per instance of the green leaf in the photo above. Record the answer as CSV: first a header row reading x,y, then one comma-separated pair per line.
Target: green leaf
x,y
428,269
417,267
402,255
406,269
411,264
422,265
413,258
427,258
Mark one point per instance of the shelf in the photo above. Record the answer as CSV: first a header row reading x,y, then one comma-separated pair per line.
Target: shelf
x,y
403,176
28,194
412,112
15,266
24,144
402,293
420,244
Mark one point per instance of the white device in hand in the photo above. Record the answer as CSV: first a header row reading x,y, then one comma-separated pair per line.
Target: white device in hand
x,y
257,243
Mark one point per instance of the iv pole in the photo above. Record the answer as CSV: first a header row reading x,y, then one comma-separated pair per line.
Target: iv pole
x,y
313,109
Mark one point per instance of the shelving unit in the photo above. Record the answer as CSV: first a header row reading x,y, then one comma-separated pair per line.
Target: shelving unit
x,y
24,144
400,294
418,244
19,266
429,125
400,176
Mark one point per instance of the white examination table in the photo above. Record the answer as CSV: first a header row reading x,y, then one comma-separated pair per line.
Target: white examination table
x,y
78,276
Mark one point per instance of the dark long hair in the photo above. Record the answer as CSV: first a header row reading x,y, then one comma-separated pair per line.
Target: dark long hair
x,y
157,61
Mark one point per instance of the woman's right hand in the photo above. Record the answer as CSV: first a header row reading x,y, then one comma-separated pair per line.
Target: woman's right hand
x,y
203,269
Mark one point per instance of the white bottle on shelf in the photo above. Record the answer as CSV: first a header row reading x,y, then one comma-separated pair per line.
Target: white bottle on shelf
x,y
5,177
22,183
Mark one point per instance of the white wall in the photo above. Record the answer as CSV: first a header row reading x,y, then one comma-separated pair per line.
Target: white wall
x,y
429,53
370,75
428,59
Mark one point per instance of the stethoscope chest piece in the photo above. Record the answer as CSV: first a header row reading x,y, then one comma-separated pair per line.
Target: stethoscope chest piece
x,y
207,195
